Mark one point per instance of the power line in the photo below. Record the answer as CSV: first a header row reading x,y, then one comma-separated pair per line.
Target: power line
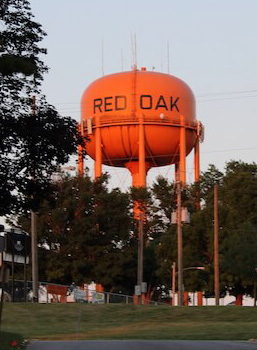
x,y
227,93
226,98
198,96
230,150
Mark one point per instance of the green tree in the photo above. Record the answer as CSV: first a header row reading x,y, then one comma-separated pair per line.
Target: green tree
x,y
164,194
31,147
86,235
239,197
163,243
237,227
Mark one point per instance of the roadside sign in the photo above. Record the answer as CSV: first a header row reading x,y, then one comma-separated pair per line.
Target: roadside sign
x,y
137,289
79,295
98,298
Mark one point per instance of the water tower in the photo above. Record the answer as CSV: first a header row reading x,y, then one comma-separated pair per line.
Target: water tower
x,y
140,119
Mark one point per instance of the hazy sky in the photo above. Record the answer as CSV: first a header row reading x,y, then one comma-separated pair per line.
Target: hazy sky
x,y
212,47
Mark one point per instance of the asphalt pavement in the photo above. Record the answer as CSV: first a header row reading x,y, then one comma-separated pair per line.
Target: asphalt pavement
x,y
141,345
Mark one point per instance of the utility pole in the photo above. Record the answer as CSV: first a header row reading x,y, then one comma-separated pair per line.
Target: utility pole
x,y
216,247
34,250
25,270
180,247
173,283
2,264
13,295
140,254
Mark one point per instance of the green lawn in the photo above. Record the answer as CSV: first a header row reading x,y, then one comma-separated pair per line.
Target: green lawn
x,y
116,321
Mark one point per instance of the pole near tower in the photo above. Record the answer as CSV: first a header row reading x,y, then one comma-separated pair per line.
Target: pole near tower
x,y
34,248
173,282
140,254
181,182
180,247
216,247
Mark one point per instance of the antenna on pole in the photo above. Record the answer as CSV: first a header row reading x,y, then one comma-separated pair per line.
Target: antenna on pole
x,y
134,51
168,57
162,60
135,43
102,57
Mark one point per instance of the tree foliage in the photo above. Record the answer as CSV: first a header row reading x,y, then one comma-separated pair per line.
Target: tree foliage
x,y
34,139
237,230
92,235
86,232
237,204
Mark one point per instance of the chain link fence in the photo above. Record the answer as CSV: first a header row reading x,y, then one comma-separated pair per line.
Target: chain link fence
x,y
17,291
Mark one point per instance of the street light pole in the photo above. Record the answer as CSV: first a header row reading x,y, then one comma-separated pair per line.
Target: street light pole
x,y
180,247
173,278
140,254
34,249
216,247
173,282
34,253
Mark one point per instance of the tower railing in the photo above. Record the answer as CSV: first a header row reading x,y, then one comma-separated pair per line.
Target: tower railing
x,y
106,120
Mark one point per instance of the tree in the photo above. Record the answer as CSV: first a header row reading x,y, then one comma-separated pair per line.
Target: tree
x,y
163,243
240,228
18,47
164,237
45,142
237,227
85,232
31,147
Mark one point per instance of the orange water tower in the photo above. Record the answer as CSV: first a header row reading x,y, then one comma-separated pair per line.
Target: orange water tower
x,y
140,119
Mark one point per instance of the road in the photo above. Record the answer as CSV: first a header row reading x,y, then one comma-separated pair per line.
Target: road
x,y
142,345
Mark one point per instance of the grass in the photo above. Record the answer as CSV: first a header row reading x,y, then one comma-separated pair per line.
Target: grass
x,y
116,321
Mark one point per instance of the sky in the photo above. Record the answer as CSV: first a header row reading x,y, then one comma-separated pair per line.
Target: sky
x,y
210,44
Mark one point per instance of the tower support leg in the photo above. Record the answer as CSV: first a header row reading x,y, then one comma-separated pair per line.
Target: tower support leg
x,y
197,172
141,153
98,150
197,160
182,151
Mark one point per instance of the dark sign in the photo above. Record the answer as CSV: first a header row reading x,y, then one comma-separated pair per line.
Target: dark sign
x,y
17,243
2,244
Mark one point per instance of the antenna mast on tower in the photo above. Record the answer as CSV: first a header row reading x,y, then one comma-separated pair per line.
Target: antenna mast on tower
x,y
168,57
102,57
134,51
